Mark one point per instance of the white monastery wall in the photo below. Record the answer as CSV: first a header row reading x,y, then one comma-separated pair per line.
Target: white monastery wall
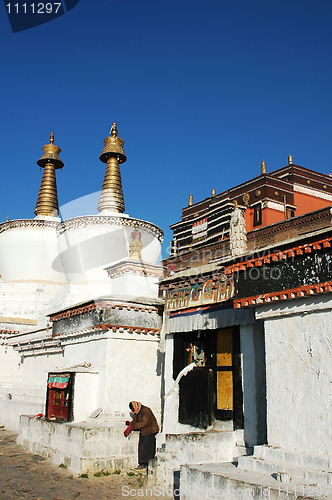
x,y
28,253
135,286
86,395
24,302
132,373
94,353
299,374
121,370
22,384
91,243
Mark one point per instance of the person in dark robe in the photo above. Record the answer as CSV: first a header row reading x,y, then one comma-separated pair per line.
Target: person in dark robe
x,y
145,422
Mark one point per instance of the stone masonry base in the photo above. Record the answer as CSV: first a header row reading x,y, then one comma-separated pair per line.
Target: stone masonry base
x,y
80,446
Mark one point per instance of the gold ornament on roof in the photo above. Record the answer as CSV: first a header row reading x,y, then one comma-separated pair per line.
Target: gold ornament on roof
x,y
47,201
213,192
290,160
190,202
111,196
263,167
246,198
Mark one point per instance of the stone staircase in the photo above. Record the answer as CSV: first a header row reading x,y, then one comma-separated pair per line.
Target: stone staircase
x,y
289,466
270,472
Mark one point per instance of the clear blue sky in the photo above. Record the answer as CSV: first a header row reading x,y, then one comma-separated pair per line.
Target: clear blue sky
x,y
201,92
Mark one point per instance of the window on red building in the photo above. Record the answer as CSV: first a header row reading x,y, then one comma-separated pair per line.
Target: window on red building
x,y
257,215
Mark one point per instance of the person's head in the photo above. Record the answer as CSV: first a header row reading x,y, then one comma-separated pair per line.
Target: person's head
x,y
135,407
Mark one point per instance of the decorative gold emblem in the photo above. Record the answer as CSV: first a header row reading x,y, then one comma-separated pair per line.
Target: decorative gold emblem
x,y
246,198
257,193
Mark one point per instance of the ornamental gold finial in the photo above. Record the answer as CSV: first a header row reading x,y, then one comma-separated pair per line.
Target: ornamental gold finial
x,y
213,192
290,160
114,130
190,202
47,201
111,196
263,167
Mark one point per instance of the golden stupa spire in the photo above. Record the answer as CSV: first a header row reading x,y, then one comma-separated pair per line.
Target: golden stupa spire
x,y
47,201
190,202
263,168
111,196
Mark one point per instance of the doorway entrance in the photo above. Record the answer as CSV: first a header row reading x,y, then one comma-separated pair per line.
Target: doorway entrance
x,y
213,389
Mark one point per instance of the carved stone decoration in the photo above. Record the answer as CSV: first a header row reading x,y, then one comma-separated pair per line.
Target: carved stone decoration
x,y
238,233
135,247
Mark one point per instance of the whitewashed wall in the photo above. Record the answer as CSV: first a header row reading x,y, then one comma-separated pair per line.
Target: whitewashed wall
x,y
123,368
299,374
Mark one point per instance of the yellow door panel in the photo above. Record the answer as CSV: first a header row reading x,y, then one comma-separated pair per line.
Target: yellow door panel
x,y
224,347
225,390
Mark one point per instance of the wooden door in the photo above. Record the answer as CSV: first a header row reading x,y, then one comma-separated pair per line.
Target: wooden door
x,y
224,374
58,404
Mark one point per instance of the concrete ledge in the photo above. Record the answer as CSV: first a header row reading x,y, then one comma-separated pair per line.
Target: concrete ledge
x,y
80,446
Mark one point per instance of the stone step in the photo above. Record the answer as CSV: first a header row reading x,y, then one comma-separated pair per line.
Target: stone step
x,y
296,458
226,481
285,472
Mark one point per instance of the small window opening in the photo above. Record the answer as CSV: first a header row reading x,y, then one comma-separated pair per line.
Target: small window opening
x,y
257,215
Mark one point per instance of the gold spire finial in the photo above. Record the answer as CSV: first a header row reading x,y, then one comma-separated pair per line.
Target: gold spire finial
x,y
111,196
190,202
47,201
263,167
114,130
290,160
213,192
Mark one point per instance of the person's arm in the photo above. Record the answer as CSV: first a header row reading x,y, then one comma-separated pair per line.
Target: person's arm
x,y
136,426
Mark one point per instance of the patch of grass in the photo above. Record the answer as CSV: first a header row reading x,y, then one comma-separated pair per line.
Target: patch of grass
x,y
131,474
63,466
117,472
83,476
101,473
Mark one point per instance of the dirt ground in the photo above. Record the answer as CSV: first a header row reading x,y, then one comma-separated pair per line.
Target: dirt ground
x,y
30,476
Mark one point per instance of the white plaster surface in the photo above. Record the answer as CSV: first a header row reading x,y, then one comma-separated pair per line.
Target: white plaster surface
x,y
85,251
28,253
299,378
85,396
